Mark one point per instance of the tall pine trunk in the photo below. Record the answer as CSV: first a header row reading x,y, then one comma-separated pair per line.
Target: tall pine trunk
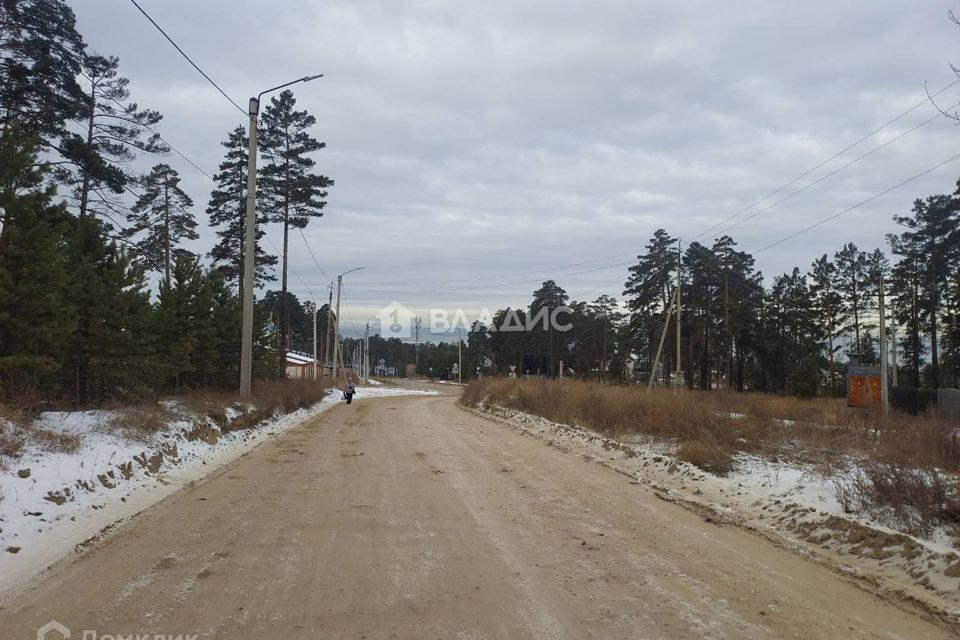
x,y
85,187
934,355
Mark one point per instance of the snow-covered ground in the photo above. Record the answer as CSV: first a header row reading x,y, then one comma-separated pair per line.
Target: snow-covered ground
x,y
52,502
793,504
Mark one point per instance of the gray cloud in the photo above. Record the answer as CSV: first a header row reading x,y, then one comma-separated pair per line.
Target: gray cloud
x,y
490,140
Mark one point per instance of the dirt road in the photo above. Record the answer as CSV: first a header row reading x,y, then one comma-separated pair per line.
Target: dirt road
x,y
407,517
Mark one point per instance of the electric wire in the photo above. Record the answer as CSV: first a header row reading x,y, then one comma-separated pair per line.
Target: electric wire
x,y
830,159
826,176
859,204
315,261
187,58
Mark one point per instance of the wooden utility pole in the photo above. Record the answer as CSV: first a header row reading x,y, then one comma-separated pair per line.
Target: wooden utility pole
x,y
663,337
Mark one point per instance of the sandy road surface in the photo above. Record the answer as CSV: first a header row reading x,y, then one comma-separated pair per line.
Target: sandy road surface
x,y
407,517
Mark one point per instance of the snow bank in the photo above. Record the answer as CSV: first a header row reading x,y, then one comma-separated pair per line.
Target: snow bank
x,y
52,502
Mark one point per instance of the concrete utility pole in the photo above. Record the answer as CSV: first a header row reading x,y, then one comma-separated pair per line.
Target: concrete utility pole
x,y
314,339
326,350
893,341
459,358
679,286
336,336
366,354
250,242
249,248
884,391
416,345
336,331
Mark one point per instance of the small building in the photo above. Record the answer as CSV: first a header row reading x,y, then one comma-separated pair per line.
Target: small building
x,y
300,366
863,384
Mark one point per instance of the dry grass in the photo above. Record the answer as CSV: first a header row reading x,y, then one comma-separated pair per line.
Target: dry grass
x,y
18,427
268,399
822,431
141,421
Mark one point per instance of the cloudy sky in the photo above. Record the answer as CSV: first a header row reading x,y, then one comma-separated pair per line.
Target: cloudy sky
x,y
479,148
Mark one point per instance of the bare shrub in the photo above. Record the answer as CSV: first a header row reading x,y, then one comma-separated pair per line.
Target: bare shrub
x,y
910,499
11,441
141,422
55,441
708,454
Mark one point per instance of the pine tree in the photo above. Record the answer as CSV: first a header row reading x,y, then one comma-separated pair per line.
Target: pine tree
x,y
35,316
292,192
828,305
227,209
790,363
180,329
647,291
738,295
854,286
700,301
549,297
111,346
163,213
115,129
40,53
931,238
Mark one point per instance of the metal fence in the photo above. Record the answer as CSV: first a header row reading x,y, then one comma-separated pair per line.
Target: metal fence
x,y
916,401
948,402
913,401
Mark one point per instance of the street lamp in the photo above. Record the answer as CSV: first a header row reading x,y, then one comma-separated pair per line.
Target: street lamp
x,y
336,322
250,243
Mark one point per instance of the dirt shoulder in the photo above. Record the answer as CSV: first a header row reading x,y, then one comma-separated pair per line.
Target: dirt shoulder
x,y
895,566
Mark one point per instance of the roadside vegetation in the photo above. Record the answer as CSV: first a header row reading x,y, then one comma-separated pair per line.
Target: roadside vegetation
x,y
904,468
21,425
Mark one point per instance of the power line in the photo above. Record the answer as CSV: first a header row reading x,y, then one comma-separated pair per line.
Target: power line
x,y
831,158
729,218
315,261
860,204
194,64
156,133
293,271
834,172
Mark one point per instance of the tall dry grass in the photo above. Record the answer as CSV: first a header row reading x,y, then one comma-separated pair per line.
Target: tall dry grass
x,y
707,425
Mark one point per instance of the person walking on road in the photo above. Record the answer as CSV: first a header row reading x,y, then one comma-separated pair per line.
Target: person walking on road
x,y
349,390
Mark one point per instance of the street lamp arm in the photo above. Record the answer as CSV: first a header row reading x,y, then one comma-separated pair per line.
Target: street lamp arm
x,y
351,271
303,79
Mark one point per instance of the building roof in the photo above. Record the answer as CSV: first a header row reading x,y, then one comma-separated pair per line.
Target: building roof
x,y
297,358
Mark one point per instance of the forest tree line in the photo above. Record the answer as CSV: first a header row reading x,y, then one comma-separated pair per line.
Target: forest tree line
x,y
82,231
792,337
